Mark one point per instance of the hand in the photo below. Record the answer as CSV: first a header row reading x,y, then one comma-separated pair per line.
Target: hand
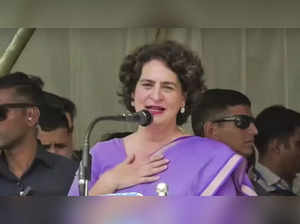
x,y
128,173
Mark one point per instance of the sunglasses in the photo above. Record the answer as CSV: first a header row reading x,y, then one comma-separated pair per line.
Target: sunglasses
x,y
4,108
240,121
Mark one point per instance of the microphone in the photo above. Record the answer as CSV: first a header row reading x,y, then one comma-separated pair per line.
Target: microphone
x,y
142,117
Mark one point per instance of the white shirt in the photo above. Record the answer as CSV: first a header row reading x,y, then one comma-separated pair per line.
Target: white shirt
x,y
268,179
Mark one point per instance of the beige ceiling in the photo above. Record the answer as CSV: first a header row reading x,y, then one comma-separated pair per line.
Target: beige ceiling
x,y
150,13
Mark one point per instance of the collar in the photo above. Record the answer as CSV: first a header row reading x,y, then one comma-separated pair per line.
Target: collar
x,y
270,178
41,156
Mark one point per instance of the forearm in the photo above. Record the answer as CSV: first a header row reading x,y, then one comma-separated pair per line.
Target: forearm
x,y
103,186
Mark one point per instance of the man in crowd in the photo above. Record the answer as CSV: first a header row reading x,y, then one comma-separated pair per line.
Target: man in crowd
x,y
278,144
66,105
56,125
54,132
225,115
26,168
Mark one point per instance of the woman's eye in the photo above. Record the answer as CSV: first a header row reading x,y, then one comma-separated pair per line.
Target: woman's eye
x,y
147,85
169,87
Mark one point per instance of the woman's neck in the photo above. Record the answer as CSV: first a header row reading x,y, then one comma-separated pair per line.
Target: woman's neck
x,y
158,134
147,141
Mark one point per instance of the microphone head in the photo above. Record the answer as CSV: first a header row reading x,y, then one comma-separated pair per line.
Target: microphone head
x,y
145,118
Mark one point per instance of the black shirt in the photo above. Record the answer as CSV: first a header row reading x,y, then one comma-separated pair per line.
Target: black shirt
x,y
49,175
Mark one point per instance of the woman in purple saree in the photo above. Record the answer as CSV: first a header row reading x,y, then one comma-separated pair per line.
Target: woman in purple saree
x,y
163,78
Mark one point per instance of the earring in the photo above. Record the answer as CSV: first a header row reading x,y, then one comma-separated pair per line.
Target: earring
x,y
132,103
182,110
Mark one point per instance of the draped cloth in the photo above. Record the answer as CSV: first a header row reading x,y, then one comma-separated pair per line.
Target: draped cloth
x,y
198,167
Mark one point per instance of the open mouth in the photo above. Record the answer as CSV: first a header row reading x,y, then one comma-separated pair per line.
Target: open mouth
x,y
155,109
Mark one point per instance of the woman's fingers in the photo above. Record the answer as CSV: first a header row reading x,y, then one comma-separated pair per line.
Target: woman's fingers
x,y
130,172
159,163
148,170
156,157
154,166
157,170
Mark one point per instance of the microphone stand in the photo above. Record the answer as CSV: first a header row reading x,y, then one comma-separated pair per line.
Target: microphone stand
x,y
85,164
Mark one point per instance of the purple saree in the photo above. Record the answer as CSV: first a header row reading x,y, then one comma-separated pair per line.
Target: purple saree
x,y
198,167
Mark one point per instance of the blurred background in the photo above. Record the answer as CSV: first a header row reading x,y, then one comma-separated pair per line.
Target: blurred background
x,y
77,48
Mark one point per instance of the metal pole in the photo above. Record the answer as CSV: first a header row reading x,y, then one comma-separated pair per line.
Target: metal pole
x,y
15,49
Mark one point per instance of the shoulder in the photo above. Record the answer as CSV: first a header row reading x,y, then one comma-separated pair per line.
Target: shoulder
x,y
107,146
53,160
207,146
59,174
62,162
200,151
112,150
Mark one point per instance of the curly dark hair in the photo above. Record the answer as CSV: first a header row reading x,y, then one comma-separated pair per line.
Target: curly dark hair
x,y
182,61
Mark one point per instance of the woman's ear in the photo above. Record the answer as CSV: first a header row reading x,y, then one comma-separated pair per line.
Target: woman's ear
x,y
183,103
132,99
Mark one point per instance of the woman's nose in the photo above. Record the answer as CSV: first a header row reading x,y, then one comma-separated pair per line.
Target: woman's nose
x,y
156,94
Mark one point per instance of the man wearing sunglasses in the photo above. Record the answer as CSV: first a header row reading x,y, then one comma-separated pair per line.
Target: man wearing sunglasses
x,y
225,115
278,144
26,168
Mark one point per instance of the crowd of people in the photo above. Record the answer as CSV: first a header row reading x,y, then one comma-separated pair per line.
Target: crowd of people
x,y
231,153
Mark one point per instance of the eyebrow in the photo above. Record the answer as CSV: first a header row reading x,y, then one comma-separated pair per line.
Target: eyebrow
x,y
164,83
